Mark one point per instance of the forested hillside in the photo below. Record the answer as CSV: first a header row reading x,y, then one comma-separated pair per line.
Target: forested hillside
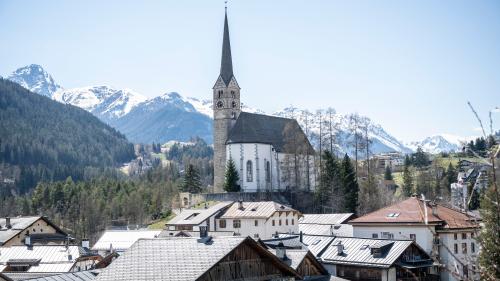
x,y
43,140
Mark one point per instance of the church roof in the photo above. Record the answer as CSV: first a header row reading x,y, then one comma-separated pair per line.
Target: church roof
x,y
226,66
284,134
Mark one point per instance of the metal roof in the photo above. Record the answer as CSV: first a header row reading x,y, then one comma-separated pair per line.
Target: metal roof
x,y
357,251
295,256
197,216
325,229
174,259
315,243
284,134
328,219
72,276
122,239
52,258
263,209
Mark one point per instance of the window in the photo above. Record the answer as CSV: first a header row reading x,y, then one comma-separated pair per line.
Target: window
x,y
286,222
256,235
273,223
256,223
472,247
466,271
232,94
413,237
455,236
374,235
220,94
268,171
464,235
222,223
236,224
455,248
279,222
293,222
233,104
387,235
249,171
393,215
472,235
464,248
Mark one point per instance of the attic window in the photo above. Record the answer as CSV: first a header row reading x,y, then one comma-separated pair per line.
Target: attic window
x,y
337,226
393,215
253,209
192,216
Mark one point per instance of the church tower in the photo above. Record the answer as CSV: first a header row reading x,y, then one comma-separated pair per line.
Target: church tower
x,y
226,107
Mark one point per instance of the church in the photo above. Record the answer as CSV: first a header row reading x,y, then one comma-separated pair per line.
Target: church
x,y
270,153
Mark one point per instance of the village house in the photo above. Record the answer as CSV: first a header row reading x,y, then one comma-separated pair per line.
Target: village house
x,y
189,221
205,258
259,219
35,261
326,224
120,240
14,230
446,234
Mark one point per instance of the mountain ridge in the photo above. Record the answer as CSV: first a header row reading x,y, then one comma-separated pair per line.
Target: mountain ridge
x,y
149,120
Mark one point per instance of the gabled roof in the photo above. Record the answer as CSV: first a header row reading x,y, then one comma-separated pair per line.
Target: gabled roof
x,y
314,243
412,210
327,219
177,259
50,258
326,229
197,216
72,276
122,239
284,134
19,224
263,209
358,251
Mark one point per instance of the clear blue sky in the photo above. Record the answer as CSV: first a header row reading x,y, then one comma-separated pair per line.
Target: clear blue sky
x,y
409,65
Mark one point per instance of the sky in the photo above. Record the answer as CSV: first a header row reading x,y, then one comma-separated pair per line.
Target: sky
x,y
410,66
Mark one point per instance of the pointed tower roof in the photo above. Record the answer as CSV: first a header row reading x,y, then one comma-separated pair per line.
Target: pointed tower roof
x,y
226,66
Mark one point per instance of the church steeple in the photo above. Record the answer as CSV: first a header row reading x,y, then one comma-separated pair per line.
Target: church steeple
x,y
226,66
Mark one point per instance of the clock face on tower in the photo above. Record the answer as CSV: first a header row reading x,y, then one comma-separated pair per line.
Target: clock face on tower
x,y
220,104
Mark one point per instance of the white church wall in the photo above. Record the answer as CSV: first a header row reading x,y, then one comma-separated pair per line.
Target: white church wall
x,y
259,155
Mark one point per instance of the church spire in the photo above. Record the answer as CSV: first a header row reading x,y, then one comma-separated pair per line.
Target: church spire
x,y
226,66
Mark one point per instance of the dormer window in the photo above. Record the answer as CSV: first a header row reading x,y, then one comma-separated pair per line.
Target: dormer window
x,y
393,215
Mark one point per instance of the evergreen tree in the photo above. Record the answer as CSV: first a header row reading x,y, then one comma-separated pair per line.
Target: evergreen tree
x,y
420,159
192,181
489,257
231,177
407,178
451,176
388,174
349,185
329,185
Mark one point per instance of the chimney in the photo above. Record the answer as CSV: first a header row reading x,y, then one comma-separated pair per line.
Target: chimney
x,y
340,249
7,223
27,241
240,205
85,243
203,231
434,210
281,251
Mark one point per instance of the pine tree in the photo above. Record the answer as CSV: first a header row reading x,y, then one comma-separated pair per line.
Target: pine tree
x,y
407,178
192,181
420,159
489,257
388,174
231,177
349,185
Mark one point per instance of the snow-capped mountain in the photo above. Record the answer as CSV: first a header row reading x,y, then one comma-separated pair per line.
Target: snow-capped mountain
x,y
440,143
105,102
34,78
174,117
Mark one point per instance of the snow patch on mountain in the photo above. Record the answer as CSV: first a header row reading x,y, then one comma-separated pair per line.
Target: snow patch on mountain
x,y
34,78
440,143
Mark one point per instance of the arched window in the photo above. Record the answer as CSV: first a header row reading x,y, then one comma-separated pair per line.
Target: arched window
x,y
249,171
233,95
220,93
268,171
